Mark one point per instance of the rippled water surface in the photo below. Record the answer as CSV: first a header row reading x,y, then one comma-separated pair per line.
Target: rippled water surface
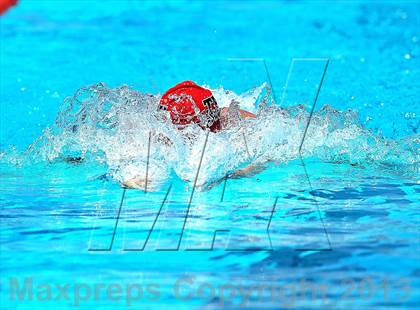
x,y
333,224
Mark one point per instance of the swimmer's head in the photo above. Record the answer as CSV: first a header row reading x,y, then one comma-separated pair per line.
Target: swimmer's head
x,y
189,103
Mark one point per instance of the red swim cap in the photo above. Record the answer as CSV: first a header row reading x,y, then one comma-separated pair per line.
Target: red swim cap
x,y
187,102
6,4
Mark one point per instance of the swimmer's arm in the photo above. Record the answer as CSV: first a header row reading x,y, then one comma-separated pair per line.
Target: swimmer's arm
x,y
244,171
246,114
249,171
242,113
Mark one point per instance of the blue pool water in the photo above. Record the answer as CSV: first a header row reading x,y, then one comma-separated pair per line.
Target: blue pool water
x,y
334,228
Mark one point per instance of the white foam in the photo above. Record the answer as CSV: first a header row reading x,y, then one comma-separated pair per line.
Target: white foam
x,y
112,126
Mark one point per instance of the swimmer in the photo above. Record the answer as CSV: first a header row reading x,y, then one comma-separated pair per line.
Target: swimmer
x,y
188,103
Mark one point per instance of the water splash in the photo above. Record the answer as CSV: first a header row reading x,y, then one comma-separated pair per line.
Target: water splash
x,y
123,129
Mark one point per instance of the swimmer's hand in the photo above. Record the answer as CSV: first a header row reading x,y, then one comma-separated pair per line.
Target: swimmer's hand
x,y
136,183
